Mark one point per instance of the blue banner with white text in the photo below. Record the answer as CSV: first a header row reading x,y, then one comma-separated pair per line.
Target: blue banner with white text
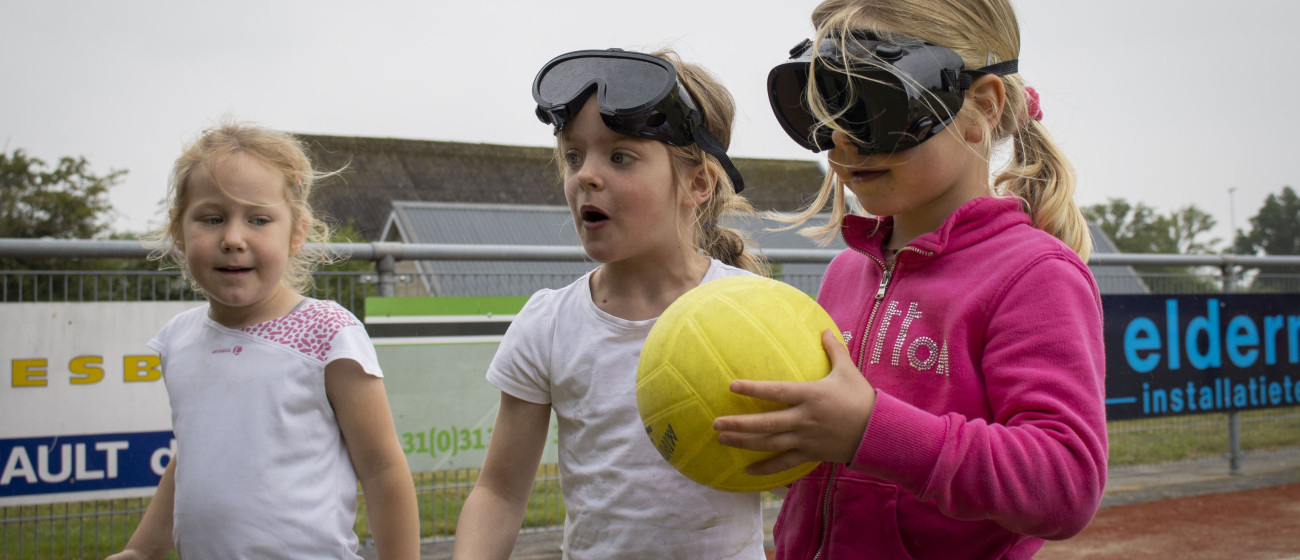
x,y
1193,354
83,463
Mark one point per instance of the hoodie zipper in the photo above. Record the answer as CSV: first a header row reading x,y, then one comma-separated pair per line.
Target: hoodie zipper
x,y
830,481
875,306
826,511
862,352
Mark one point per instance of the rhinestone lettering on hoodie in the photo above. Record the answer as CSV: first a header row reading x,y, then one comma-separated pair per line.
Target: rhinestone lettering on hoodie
x,y
924,353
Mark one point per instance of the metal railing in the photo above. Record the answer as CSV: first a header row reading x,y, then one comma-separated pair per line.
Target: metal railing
x,y
95,529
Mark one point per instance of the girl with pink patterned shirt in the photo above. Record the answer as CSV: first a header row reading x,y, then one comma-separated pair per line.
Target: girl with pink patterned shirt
x,y
277,400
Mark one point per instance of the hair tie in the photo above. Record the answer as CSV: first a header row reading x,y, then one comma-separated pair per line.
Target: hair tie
x,y
1034,108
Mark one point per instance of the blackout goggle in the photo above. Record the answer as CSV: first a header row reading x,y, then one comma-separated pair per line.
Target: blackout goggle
x,y
889,95
639,95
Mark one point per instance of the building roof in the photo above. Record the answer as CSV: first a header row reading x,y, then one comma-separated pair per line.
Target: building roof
x,y
517,224
377,171
1112,279
455,192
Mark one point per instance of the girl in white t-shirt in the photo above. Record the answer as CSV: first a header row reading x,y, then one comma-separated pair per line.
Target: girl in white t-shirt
x,y
641,148
277,401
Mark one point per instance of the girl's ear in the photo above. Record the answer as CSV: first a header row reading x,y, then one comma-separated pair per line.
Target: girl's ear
x,y
178,238
298,238
700,189
988,95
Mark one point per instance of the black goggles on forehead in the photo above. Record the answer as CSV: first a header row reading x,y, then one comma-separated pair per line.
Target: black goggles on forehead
x,y
639,96
889,95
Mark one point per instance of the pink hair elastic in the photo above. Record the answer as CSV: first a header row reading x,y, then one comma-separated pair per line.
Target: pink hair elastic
x,y
1032,105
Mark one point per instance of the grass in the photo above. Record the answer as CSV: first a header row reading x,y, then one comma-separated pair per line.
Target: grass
x,y
440,496
1203,436
96,529
92,529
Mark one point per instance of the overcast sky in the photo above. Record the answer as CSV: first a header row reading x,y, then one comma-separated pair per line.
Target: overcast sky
x,y
1167,102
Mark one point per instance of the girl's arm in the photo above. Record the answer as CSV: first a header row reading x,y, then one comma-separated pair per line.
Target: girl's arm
x,y
153,537
361,407
494,511
1038,466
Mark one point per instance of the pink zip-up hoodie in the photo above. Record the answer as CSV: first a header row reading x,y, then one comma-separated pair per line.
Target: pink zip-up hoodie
x,y
984,345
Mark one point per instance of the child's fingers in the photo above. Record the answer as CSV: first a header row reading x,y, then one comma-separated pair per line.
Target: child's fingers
x,y
783,441
835,348
792,393
773,422
775,391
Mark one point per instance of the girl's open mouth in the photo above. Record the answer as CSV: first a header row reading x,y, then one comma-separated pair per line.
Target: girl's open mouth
x,y
592,216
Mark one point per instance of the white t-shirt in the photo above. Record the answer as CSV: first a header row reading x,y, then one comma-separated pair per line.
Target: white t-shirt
x,y
623,500
263,471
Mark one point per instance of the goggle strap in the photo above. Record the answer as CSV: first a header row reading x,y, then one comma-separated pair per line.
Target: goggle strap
x,y
1000,69
710,144
1003,68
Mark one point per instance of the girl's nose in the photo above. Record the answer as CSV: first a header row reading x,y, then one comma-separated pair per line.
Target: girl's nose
x,y
842,140
232,241
589,176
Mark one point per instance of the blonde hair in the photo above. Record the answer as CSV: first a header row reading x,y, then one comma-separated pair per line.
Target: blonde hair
x,y
982,32
281,152
717,112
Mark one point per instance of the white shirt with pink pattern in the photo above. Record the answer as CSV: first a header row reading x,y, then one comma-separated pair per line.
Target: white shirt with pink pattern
x,y
263,470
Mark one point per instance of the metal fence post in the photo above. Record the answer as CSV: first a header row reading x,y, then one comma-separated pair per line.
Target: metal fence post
x,y
387,279
1229,273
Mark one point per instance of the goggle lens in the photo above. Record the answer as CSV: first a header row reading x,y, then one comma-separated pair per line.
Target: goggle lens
x,y
786,91
898,94
623,84
638,94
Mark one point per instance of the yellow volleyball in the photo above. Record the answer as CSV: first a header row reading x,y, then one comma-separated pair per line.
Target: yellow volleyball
x,y
739,327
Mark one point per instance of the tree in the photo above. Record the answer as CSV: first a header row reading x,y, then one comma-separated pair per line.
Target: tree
x,y
1275,230
67,202
1188,227
1131,228
1142,229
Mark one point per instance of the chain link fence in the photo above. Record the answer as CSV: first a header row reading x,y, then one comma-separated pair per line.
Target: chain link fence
x,y
98,528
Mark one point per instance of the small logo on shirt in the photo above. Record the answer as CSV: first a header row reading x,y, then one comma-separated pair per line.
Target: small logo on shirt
x,y
236,350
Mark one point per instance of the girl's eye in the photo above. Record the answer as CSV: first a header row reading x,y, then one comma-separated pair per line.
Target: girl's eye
x,y
573,159
259,221
210,220
619,157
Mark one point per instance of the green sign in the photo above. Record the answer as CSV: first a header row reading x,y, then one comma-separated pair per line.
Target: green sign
x,y
435,353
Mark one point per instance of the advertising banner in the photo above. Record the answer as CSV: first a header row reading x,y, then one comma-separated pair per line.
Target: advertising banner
x,y
83,410
435,353
1192,354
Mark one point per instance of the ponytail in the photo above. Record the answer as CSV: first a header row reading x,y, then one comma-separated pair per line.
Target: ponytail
x,y
726,244
717,111
1039,174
